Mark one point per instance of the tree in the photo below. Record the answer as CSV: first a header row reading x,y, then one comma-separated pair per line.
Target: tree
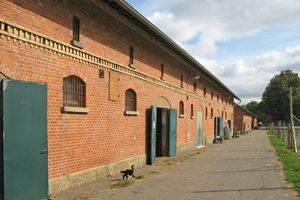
x,y
275,99
256,108
252,107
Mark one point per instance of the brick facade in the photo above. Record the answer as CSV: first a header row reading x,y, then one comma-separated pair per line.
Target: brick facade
x,y
35,46
244,120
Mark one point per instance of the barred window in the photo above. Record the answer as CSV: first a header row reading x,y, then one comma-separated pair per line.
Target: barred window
x,y
130,100
74,92
181,108
76,28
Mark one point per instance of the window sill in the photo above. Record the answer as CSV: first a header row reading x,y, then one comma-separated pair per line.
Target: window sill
x,y
131,113
163,78
212,117
75,109
181,116
77,44
206,117
132,66
195,91
192,117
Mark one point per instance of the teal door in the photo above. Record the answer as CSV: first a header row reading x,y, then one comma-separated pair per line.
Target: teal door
x,y
199,128
172,132
153,135
24,141
220,126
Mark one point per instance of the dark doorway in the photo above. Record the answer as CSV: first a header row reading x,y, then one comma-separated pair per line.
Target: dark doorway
x,y
161,132
162,135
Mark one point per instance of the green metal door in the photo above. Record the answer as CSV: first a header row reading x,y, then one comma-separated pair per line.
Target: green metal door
x,y
199,128
172,132
153,135
220,126
24,158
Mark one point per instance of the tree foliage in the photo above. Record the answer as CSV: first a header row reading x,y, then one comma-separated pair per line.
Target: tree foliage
x,y
256,108
275,99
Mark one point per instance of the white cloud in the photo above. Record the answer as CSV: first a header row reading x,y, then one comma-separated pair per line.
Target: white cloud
x,y
223,20
198,26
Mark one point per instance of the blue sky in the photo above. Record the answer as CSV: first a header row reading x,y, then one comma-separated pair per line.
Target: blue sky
x,y
243,43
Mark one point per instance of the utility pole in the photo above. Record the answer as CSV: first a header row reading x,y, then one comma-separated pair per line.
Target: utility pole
x,y
292,120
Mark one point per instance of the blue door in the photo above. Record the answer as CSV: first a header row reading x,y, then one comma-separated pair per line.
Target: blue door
x,y
220,121
172,132
24,141
199,128
153,135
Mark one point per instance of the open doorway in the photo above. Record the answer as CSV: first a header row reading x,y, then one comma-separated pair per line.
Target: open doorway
x,y
162,136
161,132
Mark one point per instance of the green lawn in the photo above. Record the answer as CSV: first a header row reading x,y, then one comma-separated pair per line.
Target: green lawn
x,y
289,158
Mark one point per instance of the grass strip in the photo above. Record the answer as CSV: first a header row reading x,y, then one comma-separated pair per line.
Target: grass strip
x,y
122,184
290,159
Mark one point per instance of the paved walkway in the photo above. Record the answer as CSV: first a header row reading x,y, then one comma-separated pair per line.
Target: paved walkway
x,y
242,168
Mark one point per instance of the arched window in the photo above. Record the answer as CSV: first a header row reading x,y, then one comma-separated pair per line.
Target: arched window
x,y
162,70
192,110
212,112
130,100
204,91
218,98
212,95
74,92
181,108
195,87
206,112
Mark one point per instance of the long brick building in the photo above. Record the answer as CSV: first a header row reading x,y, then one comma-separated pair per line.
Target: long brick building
x,y
109,89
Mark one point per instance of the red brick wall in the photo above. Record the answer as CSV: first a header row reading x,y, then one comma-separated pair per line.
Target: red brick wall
x,y
240,118
104,135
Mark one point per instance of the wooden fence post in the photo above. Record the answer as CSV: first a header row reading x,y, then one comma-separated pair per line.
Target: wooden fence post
x,y
283,133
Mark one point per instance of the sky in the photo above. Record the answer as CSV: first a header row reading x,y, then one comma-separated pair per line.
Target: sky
x,y
244,43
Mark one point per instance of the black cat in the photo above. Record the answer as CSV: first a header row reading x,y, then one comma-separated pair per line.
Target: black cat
x,y
128,172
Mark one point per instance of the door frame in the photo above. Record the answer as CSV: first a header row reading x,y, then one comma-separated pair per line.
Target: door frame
x,y
171,137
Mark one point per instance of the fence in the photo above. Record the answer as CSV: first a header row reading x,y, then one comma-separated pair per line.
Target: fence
x,y
286,133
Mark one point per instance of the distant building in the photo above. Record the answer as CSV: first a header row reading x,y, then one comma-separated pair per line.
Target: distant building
x,y
244,120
